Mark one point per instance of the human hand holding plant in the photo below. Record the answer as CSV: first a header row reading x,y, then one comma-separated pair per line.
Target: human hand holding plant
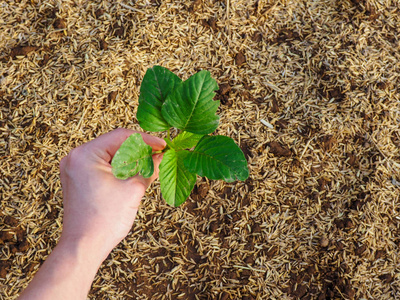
x,y
99,211
96,204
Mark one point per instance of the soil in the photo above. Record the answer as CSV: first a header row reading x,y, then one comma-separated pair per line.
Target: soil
x,y
22,50
279,150
240,59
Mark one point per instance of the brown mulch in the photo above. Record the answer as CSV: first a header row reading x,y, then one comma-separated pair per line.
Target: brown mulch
x,y
309,90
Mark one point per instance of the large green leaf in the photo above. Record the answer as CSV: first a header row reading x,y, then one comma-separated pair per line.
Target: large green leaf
x,y
157,83
176,183
217,157
190,106
186,140
134,156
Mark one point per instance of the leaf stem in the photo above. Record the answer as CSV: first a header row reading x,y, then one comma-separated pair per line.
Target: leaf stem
x,y
169,134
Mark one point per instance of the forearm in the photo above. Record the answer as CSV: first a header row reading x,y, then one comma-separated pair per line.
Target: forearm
x,y
67,273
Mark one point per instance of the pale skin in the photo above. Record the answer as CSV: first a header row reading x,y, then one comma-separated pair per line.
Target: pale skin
x,y
99,211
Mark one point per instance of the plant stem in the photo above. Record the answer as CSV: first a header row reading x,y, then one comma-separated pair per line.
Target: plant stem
x,y
156,152
169,134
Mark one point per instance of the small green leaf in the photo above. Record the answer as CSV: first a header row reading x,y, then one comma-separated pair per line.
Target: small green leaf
x,y
176,183
157,83
186,140
217,157
190,106
134,156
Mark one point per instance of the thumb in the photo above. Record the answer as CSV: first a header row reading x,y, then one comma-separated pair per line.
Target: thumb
x,y
157,158
147,181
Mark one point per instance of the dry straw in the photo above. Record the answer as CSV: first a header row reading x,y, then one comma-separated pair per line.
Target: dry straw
x,y
309,89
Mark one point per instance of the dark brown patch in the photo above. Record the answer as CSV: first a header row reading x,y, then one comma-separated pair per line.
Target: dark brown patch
x,y
212,22
99,12
352,159
256,228
60,24
286,36
336,94
195,6
277,149
386,278
360,249
203,189
112,96
224,88
29,268
224,296
380,254
296,290
247,95
45,60
323,184
245,149
4,268
22,51
344,223
20,233
240,59
200,191
192,254
356,204
53,214
270,252
118,30
328,141
6,237
20,246
9,220
103,45
213,227
281,124
274,105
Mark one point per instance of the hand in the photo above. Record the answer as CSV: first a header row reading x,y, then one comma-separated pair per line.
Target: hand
x,y
98,213
99,208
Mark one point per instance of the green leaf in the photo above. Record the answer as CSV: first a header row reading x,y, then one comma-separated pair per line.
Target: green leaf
x,y
176,183
186,140
190,106
217,157
134,156
169,143
157,83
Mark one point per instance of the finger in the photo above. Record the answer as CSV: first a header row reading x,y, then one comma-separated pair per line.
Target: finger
x,y
157,158
155,142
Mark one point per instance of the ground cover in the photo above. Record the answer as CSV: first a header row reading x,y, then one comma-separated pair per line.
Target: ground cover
x,y
308,89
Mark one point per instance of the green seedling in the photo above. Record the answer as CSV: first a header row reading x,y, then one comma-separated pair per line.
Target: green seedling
x,y
166,101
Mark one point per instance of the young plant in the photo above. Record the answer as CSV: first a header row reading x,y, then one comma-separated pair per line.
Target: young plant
x,y
166,101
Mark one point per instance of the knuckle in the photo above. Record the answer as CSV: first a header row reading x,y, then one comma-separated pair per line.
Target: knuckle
x,y
122,130
74,160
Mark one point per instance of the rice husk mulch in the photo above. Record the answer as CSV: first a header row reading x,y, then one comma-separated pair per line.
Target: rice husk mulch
x,y
308,89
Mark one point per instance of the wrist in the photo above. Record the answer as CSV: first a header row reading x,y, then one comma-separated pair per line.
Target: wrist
x,y
71,266
84,249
